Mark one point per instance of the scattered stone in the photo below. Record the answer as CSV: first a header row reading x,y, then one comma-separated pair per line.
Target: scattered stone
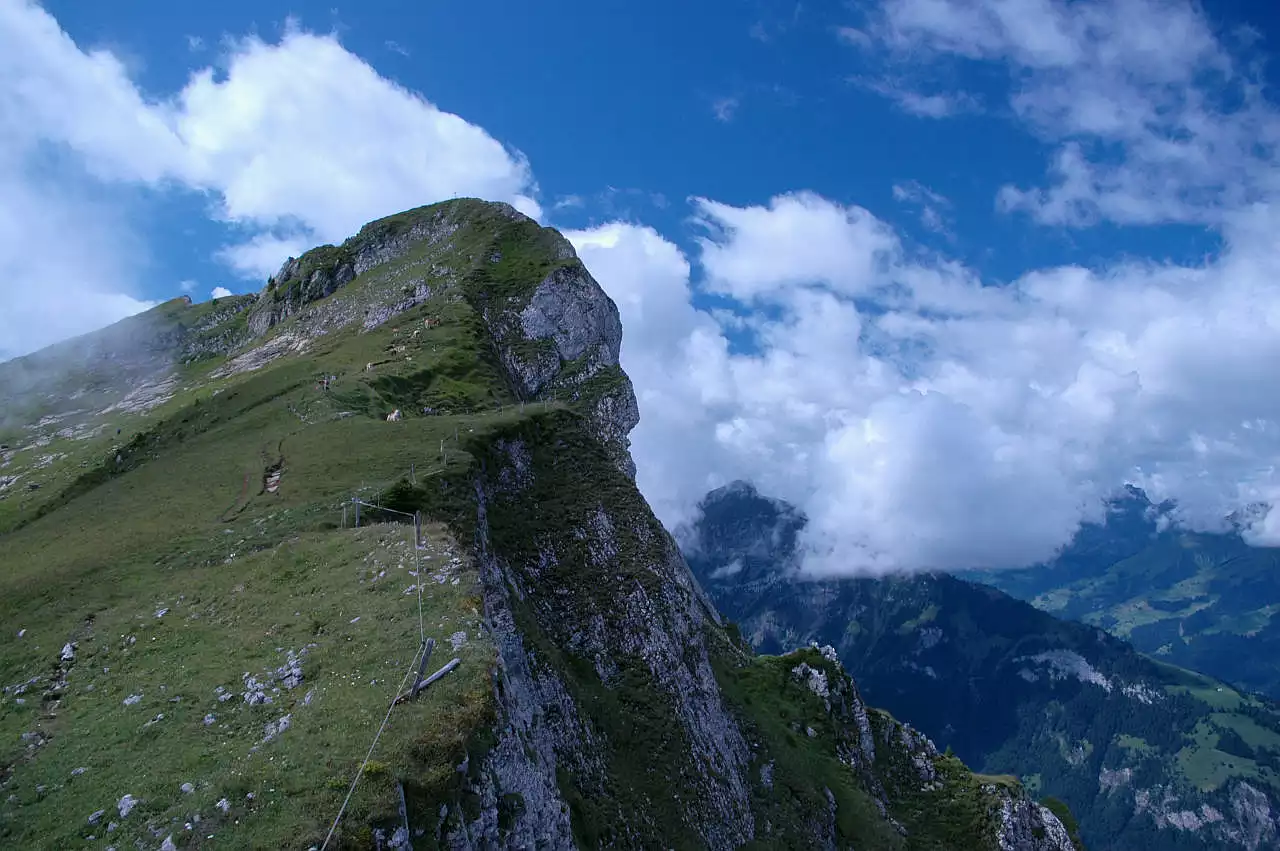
x,y
161,612
210,719
132,699
112,826
353,620
21,633
187,788
275,728
224,805
96,816
458,640
254,692
126,805
306,701
76,772
68,652
168,845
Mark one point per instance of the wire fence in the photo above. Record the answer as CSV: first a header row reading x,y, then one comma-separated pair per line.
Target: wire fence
x,y
420,658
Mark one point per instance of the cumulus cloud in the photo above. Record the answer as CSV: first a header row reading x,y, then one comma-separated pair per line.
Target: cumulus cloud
x,y
675,355
221,292
1153,118
305,132
924,419
296,141
754,252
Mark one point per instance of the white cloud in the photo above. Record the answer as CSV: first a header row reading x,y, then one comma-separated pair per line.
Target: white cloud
x,y
187,286
304,131
1154,118
299,136
925,420
753,252
221,292
260,257
674,355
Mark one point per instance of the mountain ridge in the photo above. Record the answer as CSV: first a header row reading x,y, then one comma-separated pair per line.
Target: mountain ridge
x,y
1203,600
1137,748
454,362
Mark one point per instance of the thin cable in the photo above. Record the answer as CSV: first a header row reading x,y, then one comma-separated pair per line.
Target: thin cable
x,y
417,566
367,756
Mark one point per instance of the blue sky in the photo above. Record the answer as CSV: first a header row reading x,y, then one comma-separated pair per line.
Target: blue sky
x,y
944,272
736,101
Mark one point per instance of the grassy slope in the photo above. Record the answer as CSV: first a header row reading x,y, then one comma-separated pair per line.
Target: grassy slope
x,y
278,575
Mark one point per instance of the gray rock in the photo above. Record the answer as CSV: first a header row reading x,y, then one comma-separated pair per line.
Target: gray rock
x,y
578,338
1028,826
126,804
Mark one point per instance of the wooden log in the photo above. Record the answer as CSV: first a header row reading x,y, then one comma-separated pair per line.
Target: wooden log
x,y
413,692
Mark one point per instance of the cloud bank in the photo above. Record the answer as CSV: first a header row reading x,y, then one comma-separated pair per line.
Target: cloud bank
x,y
294,143
925,418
